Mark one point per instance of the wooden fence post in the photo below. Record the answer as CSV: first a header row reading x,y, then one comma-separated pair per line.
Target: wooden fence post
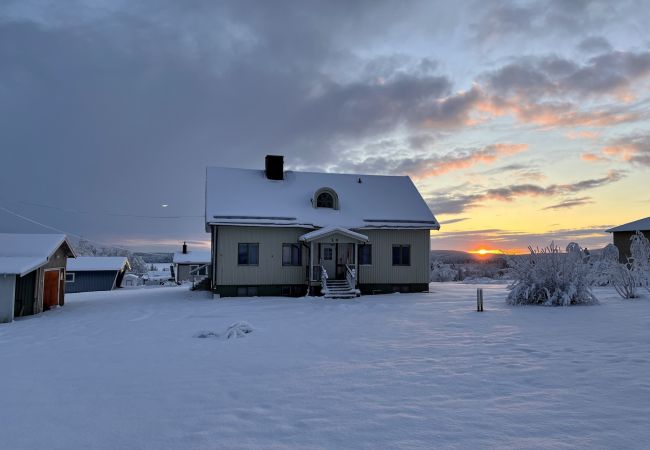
x,y
479,299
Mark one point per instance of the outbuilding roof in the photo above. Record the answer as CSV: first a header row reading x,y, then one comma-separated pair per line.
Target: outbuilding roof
x,y
192,257
98,263
22,253
248,197
637,225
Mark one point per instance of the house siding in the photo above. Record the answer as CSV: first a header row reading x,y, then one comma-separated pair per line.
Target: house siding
x,y
381,275
270,270
7,287
183,271
382,271
90,281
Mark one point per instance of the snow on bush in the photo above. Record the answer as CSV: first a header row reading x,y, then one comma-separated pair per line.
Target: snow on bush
x,y
628,276
602,266
549,277
442,272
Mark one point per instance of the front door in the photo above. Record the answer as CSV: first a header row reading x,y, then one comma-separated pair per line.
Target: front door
x,y
327,255
51,289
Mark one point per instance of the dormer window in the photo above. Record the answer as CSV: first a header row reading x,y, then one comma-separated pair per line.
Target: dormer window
x,y
326,198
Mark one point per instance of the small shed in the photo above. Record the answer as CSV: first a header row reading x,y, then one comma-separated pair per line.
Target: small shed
x,y
191,265
32,271
623,233
96,273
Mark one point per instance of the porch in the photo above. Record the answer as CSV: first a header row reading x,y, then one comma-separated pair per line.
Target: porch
x,y
333,261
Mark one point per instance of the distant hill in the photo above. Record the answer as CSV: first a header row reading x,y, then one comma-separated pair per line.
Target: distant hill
x,y
460,257
155,257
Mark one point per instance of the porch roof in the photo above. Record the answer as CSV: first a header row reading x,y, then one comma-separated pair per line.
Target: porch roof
x,y
327,231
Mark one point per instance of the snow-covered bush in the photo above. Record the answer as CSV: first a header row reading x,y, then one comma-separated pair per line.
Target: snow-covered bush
x,y
442,272
640,249
549,277
602,266
625,277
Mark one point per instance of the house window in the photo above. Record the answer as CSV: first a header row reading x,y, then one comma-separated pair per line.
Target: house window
x,y
365,254
248,254
291,255
325,200
247,291
69,277
327,253
401,255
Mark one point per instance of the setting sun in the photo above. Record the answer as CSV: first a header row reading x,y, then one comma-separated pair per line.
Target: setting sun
x,y
484,252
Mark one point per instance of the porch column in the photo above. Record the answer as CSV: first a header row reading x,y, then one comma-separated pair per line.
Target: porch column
x,y
356,264
311,266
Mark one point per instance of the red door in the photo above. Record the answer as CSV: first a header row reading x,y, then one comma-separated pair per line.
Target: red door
x,y
51,289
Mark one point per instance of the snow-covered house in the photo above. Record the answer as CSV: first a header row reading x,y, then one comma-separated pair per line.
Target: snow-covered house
x,y
623,233
32,273
191,265
277,232
95,273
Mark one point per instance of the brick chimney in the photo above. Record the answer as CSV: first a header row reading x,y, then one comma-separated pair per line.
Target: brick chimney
x,y
274,167
185,248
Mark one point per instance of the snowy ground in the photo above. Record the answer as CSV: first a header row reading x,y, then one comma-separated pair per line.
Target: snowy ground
x,y
125,370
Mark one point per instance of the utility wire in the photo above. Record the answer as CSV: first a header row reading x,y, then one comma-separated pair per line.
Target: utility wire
x,y
36,222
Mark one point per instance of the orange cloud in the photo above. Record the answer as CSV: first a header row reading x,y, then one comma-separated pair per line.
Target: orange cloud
x,y
584,134
464,160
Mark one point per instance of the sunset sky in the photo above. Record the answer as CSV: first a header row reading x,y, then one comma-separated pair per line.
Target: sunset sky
x,y
519,122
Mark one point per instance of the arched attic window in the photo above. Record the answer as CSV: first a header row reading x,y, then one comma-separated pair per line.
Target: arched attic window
x,y
326,198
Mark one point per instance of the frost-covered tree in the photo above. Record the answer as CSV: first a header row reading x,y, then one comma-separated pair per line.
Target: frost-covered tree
x,y
640,249
603,266
626,277
442,272
549,277
86,248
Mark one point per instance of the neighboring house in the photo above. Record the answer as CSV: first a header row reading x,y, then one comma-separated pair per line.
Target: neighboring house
x,y
191,265
131,280
623,233
32,271
95,273
282,233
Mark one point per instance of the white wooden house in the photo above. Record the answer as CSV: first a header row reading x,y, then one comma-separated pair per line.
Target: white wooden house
x,y
277,232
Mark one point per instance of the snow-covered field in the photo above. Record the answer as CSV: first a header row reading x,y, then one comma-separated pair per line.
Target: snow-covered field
x,y
125,369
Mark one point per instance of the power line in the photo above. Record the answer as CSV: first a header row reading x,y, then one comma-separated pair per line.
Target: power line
x,y
112,214
49,227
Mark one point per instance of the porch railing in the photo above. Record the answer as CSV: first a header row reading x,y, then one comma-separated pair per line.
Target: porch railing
x,y
351,275
323,278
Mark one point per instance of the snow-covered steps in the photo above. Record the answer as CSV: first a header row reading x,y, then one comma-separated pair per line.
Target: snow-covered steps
x,y
340,289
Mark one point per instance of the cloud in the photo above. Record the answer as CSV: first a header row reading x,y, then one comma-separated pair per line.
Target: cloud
x,y
570,203
454,202
552,114
595,44
633,149
428,166
608,74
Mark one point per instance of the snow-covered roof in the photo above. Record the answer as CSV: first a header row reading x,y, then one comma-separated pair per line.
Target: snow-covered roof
x,y
22,253
192,257
323,232
247,197
637,225
97,263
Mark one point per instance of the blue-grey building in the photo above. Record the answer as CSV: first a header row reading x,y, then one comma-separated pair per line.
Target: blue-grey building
x,y
95,273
